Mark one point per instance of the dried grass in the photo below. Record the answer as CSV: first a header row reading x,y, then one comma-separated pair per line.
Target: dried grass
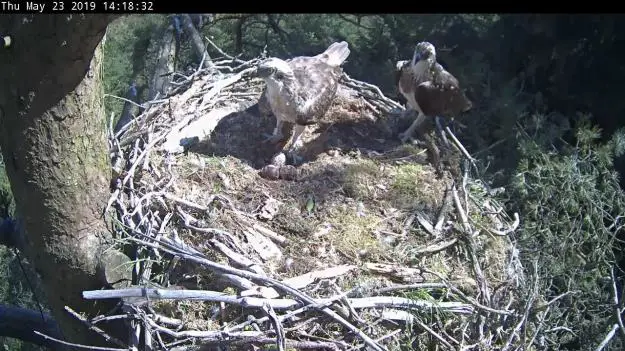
x,y
360,201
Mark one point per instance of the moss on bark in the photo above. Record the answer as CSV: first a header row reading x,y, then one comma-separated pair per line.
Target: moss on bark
x,y
52,130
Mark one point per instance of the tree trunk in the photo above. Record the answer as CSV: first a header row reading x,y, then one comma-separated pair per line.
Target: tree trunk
x,y
166,53
238,36
129,111
201,19
196,40
52,135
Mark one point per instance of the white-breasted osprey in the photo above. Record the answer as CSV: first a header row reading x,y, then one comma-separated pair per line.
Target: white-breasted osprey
x,y
300,90
6,40
429,89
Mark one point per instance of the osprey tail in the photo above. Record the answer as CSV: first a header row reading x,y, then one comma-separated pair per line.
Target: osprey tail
x,y
336,53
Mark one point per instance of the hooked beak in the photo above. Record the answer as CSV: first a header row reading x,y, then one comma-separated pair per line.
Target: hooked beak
x,y
416,57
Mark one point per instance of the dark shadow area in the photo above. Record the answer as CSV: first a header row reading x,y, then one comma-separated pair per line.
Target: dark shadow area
x,y
242,135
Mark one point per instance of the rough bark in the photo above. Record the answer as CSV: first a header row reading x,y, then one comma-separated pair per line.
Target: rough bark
x,y
166,53
196,39
201,19
129,111
238,36
52,135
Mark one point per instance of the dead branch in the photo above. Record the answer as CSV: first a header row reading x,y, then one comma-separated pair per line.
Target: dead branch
x,y
77,345
291,344
91,326
608,338
436,248
275,321
461,212
528,306
224,269
239,260
473,302
433,333
172,224
617,304
280,304
231,58
205,335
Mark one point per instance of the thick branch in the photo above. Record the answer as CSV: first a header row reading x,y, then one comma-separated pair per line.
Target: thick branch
x,y
129,109
10,235
166,48
19,323
141,295
238,38
196,39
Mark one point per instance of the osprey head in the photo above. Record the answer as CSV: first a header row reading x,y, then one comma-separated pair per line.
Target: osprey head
x,y
274,69
424,51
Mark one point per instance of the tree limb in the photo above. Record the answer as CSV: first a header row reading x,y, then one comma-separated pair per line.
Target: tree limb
x,y
19,323
196,38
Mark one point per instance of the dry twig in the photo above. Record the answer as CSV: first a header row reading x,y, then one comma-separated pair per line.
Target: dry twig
x,y
151,211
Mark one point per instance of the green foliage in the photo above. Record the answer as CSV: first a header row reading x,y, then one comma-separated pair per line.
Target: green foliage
x,y
125,56
376,41
567,194
7,205
14,289
570,203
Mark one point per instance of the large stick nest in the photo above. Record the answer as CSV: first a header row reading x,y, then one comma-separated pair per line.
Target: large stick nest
x,y
366,240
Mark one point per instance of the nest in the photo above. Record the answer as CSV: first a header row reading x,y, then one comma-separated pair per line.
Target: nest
x,y
366,241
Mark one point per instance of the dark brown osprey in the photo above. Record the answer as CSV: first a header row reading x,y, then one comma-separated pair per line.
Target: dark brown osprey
x,y
301,90
429,88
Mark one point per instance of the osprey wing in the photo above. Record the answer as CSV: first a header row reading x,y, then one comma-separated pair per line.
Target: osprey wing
x,y
317,83
403,79
400,67
264,107
441,95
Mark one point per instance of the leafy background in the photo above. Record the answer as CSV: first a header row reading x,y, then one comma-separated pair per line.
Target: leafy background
x,y
547,91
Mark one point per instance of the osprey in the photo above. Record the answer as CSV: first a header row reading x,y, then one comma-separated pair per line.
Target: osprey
x,y
429,88
6,40
301,90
